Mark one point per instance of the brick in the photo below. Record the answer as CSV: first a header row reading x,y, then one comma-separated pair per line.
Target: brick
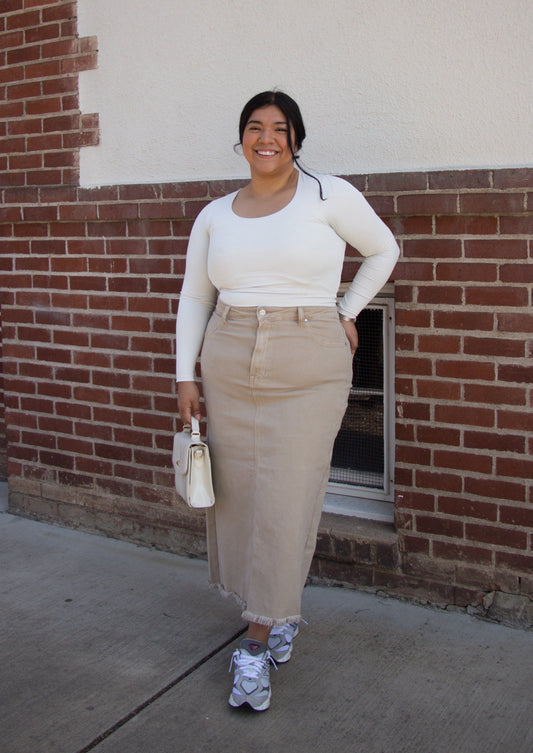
x,y
496,296
466,508
521,563
515,373
411,318
92,395
493,346
438,435
461,415
106,229
162,210
515,420
404,386
464,320
520,225
494,394
438,390
84,62
413,411
439,526
128,284
126,247
87,282
455,369
130,324
461,460
414,500
496,534
25,126
435,294
427,203
438,481
117,211
401,226
466,225
413,366
149,228
69,300
42,69
492,202
515,467
110,341
515,322
520,273
111,380
495,489
416,455
459,179
462,553
435,343
494,441
169,247
521,177
87,246
108,265
398,182
466,272
516,516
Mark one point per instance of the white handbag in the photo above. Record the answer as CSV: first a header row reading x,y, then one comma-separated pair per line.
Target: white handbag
x,y
192,467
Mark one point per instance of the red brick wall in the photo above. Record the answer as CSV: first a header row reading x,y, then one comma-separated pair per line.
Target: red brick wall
x,y
464,375
90,281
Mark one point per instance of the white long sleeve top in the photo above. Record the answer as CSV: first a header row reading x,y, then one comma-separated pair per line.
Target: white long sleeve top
x,y
293,257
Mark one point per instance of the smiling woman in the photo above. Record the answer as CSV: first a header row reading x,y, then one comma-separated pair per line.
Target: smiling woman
x,y
259,297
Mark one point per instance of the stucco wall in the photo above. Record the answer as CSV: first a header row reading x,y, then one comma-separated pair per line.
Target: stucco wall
x,y
384,86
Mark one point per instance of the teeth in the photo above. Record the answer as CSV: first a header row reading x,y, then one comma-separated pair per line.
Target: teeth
x,y
266,154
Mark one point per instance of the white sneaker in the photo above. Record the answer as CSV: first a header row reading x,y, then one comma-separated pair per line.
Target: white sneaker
x,y
251,684
280,641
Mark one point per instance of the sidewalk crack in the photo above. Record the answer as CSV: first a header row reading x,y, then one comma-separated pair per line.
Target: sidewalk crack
x,y
137,710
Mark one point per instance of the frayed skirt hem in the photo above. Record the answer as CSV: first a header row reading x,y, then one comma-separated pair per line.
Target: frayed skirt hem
x,y
251,616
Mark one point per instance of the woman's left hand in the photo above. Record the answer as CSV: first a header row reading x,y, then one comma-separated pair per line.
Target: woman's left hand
x,y
351,333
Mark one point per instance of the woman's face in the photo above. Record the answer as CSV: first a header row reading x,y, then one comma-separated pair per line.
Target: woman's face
x,y
264,141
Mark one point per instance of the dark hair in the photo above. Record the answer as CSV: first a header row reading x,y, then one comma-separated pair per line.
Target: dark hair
x,y
290,109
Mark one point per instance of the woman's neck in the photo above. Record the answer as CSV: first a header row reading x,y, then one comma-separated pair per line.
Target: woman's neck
x,y
264,186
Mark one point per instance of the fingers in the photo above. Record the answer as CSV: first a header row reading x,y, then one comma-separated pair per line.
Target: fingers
x,y
188,401
351,333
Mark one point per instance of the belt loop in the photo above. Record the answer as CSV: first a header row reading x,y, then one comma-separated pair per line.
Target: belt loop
x,y
225,313
300,316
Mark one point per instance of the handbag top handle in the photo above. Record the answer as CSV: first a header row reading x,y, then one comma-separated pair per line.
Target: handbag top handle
x,y
195,427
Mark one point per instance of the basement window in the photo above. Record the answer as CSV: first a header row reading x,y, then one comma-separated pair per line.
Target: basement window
x,y
361,476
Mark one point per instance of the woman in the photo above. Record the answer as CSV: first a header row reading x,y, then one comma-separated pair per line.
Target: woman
x,y
263,269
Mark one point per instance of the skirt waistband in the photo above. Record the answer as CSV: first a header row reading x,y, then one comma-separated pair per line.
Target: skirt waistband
x,y
276,313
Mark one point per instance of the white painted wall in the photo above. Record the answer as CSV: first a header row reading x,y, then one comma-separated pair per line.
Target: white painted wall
x,y
384,85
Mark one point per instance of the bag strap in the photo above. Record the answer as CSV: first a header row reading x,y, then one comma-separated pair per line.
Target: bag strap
x,y
195,428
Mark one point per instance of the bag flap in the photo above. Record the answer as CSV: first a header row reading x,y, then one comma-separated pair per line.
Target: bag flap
x,y
183,445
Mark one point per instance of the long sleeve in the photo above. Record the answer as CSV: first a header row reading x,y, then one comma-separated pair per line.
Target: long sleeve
x,y
354,220
197,299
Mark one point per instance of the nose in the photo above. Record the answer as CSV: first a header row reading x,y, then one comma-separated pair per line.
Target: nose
x,y
265,135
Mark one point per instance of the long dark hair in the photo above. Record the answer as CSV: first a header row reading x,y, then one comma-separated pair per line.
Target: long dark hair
x,y
292,113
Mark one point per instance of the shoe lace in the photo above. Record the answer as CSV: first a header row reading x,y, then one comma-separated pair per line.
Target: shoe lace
x,y
251,665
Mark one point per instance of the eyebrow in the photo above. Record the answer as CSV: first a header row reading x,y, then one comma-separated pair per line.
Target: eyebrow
x,y
260,122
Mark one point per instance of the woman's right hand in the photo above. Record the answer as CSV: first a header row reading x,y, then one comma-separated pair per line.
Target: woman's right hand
x,y
188,401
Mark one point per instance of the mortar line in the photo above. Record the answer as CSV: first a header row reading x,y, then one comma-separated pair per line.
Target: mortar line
x,y
149,701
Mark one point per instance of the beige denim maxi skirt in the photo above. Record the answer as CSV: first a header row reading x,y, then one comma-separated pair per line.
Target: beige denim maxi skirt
x,y
276,383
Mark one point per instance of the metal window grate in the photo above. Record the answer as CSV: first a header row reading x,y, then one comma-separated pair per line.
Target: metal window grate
x,y
360,452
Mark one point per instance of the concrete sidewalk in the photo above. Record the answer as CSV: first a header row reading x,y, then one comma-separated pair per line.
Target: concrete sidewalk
x,y
111,647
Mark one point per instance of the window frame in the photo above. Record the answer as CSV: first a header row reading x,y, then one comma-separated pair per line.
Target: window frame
x,y
360,501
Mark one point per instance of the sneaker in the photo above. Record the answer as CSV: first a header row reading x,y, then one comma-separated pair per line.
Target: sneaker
x,y
252,675
280,641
